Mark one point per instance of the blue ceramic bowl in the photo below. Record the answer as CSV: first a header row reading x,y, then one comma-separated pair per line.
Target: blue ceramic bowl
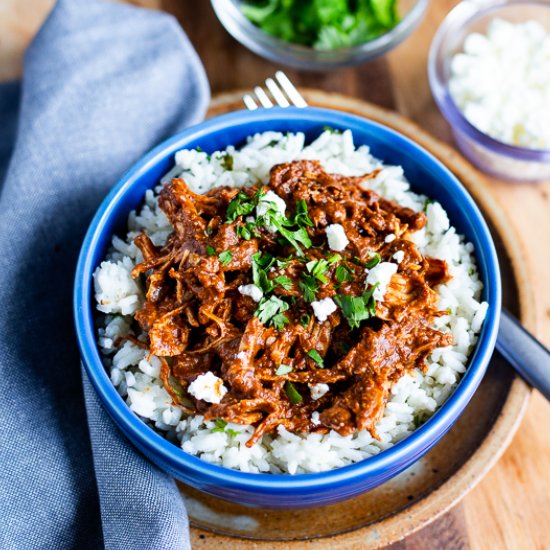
x,y
426,174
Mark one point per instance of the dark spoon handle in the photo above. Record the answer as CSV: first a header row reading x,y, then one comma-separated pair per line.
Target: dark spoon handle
x,y
525,353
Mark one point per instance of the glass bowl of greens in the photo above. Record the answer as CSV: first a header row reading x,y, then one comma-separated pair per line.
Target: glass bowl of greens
x,y
320,34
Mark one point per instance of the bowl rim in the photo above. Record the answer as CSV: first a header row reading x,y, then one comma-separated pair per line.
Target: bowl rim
x,y
464,15
276,49
385,461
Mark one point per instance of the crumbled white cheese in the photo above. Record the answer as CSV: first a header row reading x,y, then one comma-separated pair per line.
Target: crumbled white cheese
x,y
318,390
501,82
323,308
207,387
241,355
315,420
268,201
381,274
337,238
389,238
251,290
399,256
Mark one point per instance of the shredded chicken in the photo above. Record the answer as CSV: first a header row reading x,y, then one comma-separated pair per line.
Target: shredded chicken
x,y
197,320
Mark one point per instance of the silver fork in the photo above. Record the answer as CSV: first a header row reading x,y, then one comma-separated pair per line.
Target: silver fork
x,y
280,91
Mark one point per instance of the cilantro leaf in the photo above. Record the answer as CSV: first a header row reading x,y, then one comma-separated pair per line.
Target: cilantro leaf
x,y
314,354
283,281
283,369
210,250
271,310
343,274
225,257
304,320
309,286
292,393
318,269
357,308
301,217
374,260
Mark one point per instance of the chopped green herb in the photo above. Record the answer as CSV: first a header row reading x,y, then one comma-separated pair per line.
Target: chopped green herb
x,y
333,258
279,321
210,250
304,320
357,308
331,130
323,24
227,161
283,281
271,311
242,205
225,257
260,266
343,274
220,425
273,219
426,202
314,354
374,260
309,286
318,269
283,369
292,393
301,218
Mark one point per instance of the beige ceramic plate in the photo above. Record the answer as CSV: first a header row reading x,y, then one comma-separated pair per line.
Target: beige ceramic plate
x,y
440,479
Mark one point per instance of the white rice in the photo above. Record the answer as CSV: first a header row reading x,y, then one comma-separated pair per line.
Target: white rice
x,y
414,398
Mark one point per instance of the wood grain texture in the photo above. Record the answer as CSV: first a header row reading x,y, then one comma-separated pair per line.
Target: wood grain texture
x,y
509,507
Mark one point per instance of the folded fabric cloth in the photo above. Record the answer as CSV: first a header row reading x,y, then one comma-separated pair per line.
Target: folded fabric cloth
x,y
103,83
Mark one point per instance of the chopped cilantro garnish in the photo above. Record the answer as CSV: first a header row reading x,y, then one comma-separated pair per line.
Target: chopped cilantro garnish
x,y
270,311
220,425
292,393
210,250
318,268
357,308
333,258
273,219
323,24
343,274
227,161
314,354
426,202
309,286
304,320
242,205
374,260
283,369
331,130
301,217
283,281
225,257
260,266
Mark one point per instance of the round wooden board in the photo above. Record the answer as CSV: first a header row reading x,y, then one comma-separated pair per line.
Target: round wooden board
x,y
439,480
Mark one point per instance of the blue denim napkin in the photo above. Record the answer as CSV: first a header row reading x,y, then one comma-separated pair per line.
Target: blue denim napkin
x,y
102,84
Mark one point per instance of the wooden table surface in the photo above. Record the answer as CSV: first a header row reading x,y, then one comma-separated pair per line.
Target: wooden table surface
x,y
509,508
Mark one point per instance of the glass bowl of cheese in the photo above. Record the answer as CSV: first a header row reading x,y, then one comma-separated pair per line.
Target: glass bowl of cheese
x,y
489,71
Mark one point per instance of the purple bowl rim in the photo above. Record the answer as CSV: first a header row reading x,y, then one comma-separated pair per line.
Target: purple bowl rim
x,y
444,100
178,460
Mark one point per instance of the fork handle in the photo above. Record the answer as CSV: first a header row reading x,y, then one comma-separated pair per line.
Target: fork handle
x,y
525,353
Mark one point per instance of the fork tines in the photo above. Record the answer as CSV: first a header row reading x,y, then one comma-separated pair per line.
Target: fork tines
x,y
279,92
